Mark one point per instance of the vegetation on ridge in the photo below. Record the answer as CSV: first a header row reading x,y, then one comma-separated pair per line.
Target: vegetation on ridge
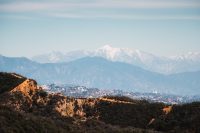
x,y
29,108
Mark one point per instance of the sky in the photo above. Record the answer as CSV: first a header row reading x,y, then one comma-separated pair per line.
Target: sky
x,y
161,27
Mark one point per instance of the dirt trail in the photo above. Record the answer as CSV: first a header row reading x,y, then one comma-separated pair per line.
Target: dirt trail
x,y
115,101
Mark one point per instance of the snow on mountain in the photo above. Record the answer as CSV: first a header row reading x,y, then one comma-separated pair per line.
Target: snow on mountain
x,y
57,57
190,56
52,57
148,61
107,51
123,54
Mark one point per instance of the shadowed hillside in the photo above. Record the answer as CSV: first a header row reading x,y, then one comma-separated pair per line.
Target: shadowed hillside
x,y
29,108
10,81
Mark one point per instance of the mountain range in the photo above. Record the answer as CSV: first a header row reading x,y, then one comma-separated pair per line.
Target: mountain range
x,y
165,65
102,73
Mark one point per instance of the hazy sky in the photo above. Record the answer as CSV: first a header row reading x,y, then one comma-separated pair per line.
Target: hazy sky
x,y
162,27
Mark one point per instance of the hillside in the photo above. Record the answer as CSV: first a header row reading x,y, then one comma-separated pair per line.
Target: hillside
x,y
29,108
10,81
105,74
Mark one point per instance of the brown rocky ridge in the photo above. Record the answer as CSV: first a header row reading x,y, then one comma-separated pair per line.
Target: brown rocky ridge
x,y
25,106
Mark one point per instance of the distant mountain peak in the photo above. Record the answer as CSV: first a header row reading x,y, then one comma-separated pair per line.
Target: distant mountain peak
x,y
107,47
195,56
110,48
107,51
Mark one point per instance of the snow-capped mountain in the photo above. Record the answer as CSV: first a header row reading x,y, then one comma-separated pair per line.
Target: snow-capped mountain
x,y
124,55
166,65
107,51
58,57
190,56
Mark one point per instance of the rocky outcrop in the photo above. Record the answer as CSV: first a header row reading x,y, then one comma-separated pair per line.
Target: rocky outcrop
x,y
27,96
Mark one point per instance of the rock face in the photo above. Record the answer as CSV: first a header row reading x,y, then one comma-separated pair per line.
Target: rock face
x,y
27,87
29,97
28,103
